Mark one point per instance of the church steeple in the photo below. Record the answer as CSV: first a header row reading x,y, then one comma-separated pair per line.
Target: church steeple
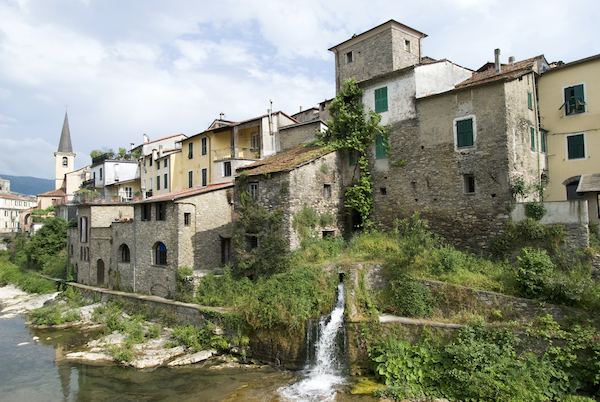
x,y
65,137
65,158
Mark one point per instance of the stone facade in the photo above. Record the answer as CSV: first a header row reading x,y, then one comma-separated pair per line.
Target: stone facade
x,y
293,135
193,227
316,183
426,172
388,47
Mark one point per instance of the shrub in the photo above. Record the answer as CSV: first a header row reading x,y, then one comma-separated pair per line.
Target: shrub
x,y
411,298
533,272
535,210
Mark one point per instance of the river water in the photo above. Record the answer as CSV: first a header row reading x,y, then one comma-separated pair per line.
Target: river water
x,y
29,373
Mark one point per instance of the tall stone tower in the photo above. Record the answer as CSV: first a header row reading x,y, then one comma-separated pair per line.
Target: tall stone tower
x,y
65,158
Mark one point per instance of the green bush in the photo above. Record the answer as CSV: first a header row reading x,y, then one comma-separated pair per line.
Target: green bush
x,y
535,210
411,298
533,272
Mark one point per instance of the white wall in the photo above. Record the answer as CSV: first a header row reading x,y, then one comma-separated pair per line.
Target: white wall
x,y
438,77
563,212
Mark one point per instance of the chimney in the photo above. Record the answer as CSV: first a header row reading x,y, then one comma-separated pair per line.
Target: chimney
x,y
221,116
160,151
132,146
511,60
497,60
146,139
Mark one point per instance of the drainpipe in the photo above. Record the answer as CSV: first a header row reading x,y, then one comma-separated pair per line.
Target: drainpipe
x,y
134,248
537,129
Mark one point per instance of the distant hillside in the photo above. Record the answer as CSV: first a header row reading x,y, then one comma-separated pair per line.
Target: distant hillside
x,y
29,185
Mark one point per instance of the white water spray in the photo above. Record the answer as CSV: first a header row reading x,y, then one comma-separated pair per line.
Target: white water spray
x,y
325,373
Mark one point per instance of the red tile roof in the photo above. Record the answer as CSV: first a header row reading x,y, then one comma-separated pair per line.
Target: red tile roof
x,y
54,193
507,72
289,160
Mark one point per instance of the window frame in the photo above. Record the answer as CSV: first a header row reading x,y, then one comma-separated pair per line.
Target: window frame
x,y
532,135
570,102
253,189
190,178
326,190
187,218
125,253
190,150
543,141
145,212
568,153
165,181
473,132
469,184
226,168
380,100
158,183
530,100
161,211
160,255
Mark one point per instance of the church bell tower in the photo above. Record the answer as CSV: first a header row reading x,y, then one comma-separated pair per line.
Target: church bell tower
x,y
65,158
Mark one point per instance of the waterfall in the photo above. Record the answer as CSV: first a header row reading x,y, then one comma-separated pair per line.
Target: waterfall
x,y
324,366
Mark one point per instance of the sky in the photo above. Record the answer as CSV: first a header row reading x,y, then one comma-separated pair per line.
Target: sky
x,y
122,68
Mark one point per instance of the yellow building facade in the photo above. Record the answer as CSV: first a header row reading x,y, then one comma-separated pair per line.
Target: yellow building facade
x,y
569,106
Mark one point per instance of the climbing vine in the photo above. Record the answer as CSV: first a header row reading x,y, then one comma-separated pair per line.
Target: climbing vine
x,y
354,129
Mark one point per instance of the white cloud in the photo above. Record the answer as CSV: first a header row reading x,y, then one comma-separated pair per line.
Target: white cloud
x,y
24,157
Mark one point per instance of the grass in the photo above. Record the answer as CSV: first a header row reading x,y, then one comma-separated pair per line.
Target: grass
x,y
27,281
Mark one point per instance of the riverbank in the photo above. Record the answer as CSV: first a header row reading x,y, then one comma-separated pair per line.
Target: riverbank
x,y
142,344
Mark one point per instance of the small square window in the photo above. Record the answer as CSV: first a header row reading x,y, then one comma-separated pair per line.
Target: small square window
x,y
327,191
469,184
349,57
187,217
407,45
383,191
226,169
328,234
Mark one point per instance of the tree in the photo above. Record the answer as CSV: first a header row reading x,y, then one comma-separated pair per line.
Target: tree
x,y
99,152
353,129
48,241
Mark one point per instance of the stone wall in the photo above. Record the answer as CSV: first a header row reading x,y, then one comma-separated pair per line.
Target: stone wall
x,y
296,134
426,172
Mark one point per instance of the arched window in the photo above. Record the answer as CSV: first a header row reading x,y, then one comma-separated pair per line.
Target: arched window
x,y
124,251
65,161
160,254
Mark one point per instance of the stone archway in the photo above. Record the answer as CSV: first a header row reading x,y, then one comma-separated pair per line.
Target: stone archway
x,y
100,272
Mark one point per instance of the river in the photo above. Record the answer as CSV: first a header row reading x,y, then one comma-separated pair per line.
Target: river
x,y
29,373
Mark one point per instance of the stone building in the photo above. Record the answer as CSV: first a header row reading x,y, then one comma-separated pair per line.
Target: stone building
x,y
304,176
456,139
139,246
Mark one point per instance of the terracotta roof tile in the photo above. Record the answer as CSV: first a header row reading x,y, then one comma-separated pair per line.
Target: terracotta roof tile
x,y
289,160
54,193
507,72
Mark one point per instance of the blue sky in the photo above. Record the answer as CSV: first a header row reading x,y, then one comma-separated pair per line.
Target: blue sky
x,y
125,68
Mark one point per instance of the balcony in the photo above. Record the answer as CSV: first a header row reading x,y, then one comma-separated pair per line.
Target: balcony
x,y
91,183
221,154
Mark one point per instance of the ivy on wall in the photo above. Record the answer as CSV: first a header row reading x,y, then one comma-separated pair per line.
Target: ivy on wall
x,y
354,129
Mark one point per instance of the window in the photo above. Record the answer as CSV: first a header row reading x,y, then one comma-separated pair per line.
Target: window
x,y
532,133
83,221
190,179
150,182
146,212
161,211
129,193
251,242
575,146
351,158
407,45
464,132
190,150
543,142
469,184
65,161
187,218
165,163
150,163
574,100
349,57
158,165
157,183
204,177
326,190
125,255
160,254
530,100
381,103
165,181
254,141
381,147
100,173
204,147
253,189
226,169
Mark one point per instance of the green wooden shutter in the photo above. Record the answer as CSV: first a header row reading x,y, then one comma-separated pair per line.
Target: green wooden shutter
x,y
532,138
529,100
381,103
380,147
543,141
576,146
464,133
579,100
